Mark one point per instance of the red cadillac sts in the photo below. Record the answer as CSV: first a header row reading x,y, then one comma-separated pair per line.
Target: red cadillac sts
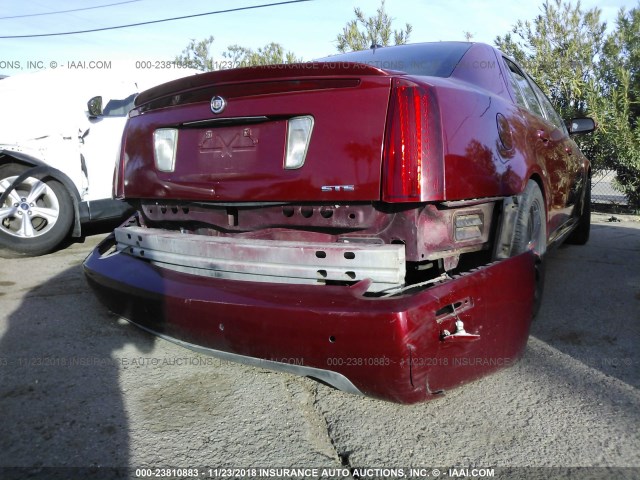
x,y
375,220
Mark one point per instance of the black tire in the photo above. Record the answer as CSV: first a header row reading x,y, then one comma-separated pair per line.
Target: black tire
x,y
539,279
580,235
47,206
531,235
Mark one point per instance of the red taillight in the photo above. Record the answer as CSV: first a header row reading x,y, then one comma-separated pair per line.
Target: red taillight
x,y
118,174
412,146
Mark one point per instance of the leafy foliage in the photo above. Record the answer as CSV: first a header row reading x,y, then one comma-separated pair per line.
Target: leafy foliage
x,y
559,49
587,72
198,55
376,31
270,54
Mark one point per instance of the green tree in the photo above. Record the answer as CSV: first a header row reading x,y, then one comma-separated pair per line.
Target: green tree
x,y
560,50
270,54
622,54
620,67
197,54
376,30
587,72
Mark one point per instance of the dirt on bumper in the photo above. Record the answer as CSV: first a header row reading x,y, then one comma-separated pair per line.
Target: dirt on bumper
x,y
394,348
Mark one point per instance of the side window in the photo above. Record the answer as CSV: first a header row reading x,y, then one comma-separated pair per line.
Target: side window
x,y
552,115
524,93
516,88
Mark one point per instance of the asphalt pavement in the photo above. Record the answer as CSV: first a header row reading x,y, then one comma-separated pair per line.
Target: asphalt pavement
x,y
85,392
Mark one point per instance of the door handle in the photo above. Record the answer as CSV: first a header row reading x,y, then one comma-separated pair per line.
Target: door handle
x,y
542,135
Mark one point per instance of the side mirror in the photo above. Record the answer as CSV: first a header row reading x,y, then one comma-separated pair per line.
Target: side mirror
x,y
581,125
94,106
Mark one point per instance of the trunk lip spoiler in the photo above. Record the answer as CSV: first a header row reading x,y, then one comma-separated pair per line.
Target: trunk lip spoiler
x,y
261,73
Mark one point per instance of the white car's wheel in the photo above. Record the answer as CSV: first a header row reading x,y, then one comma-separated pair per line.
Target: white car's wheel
x,y
36,215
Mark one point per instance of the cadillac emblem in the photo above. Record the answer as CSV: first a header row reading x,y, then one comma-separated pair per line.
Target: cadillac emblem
x,y
218,104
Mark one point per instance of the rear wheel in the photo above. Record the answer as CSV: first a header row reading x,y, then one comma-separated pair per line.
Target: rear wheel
x,y
580,235
36,215
531,235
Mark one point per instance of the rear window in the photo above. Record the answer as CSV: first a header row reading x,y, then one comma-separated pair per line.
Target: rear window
x,y
429,59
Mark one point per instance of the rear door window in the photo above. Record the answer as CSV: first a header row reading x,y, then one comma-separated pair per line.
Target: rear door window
x,y
525,96
550,112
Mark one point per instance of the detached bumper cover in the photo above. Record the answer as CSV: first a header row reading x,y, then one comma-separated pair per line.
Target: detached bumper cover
x,y
391,348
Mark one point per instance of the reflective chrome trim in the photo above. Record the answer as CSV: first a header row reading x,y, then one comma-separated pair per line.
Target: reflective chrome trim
x,y
218,104
335,379
226,120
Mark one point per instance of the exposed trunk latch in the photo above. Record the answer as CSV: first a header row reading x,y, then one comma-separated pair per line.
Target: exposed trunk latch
x,y
460,334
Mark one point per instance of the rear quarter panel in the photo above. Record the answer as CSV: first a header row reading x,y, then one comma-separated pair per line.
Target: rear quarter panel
x,y
477,164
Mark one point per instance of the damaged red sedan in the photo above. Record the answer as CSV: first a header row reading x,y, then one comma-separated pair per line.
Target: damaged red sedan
x,y
375,220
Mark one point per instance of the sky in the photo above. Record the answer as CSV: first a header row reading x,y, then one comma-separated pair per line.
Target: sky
x,y
308,29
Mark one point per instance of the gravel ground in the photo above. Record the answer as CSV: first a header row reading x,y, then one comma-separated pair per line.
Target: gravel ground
x,y
81,388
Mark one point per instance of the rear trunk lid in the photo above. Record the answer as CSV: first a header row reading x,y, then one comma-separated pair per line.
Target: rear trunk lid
x,y
238,155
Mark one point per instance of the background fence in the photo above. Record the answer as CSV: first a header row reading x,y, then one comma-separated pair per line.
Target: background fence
x,y
603,190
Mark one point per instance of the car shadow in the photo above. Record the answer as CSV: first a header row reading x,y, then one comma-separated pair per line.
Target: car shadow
x,y
63,412
591,302
91,229
88,230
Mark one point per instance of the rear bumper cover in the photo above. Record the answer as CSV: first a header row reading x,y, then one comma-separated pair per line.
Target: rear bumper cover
x,y
389,348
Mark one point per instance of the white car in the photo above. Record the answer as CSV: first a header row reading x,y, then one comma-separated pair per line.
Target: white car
x,y
60,134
